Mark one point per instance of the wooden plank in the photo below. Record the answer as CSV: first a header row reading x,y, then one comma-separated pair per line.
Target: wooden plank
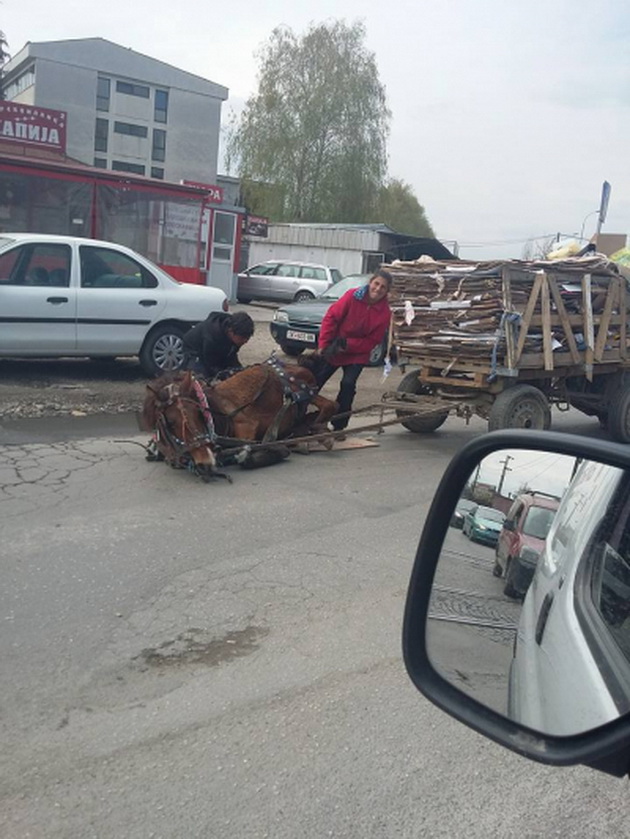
x,y
564,319
574,320
510,342
536,360
602,334
589,338
546,327
349,444
529,311
623,313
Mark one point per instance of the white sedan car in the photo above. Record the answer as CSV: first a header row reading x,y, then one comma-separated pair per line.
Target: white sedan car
x,y
66,296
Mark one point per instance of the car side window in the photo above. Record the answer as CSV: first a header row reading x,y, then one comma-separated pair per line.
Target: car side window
x,y
288,271
104,268
310,273
38,265
263,269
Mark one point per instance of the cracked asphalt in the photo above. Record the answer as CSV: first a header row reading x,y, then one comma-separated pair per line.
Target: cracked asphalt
x,y
191,660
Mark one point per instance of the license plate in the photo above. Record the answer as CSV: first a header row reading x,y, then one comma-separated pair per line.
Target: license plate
x,y
294,335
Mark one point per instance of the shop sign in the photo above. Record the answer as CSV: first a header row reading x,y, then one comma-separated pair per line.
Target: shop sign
x,y
255,226
215,193
32,126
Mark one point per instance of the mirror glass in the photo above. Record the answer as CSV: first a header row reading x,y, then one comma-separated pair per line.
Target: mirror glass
x,y
530,605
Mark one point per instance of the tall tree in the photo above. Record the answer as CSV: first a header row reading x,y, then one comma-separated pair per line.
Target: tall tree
x,y
400,209
314,134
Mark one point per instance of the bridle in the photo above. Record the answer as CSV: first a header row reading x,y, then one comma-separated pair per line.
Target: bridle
x,y
192,440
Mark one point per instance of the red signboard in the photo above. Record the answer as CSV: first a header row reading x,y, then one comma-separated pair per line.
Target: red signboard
x,y
215,193
28,125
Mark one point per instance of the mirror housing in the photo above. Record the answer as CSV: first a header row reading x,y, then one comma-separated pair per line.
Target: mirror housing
x,y
606,748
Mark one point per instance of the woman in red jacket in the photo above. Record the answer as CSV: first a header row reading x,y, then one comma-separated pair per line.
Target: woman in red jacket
x,y
351,328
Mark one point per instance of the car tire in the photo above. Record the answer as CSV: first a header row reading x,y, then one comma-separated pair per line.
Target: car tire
x,y
303,296
419,425
508,588
377,356
244,300
163,350
291,349
619,416
521,406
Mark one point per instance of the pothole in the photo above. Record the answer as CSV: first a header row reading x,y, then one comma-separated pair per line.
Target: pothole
x,y
194,647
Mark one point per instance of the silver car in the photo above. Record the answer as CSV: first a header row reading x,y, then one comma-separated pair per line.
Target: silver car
x,y
285,281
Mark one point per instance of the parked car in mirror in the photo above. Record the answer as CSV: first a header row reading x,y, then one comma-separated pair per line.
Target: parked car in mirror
x,y
483,524
296,327
464,506
68,296
284,281
522,538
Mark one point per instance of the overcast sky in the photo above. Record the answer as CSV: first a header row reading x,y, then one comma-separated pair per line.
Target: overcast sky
x,y
506,116
541,471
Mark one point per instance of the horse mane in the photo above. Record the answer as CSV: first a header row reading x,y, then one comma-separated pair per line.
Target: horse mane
x,y
311,361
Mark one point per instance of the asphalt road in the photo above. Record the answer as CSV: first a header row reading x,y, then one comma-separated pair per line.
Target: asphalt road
x,y
190,660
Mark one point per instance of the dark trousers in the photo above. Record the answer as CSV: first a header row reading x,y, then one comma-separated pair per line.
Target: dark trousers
x,y
347,388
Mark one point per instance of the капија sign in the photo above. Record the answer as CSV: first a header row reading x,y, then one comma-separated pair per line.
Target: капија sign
x,y
33,126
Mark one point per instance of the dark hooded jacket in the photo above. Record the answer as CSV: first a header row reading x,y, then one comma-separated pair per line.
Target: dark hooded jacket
x,y
210,343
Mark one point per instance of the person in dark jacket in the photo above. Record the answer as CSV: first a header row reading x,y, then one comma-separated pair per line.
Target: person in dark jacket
x,y
350,330
212,346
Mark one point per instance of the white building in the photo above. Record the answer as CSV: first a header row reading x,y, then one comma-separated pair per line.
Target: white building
x,y
125,111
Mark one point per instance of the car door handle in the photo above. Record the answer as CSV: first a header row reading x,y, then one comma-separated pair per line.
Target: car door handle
x,y
148,302
543,615
56,300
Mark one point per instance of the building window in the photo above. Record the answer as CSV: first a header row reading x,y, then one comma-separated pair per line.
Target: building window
x,y
103,87
223,239
133,89
100,163
159,145
129,128
156,172
161,106
20,84
100,136
123,166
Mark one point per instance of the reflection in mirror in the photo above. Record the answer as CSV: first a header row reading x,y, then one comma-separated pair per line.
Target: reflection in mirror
x,y
530,605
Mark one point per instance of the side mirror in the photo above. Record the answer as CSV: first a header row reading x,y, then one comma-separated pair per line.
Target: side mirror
x,y
531,650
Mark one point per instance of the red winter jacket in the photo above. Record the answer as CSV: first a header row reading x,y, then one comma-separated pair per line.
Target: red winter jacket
x,y
363,326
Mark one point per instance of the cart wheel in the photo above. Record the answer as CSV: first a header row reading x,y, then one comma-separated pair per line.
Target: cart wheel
x,y
521,406
420,425
619,417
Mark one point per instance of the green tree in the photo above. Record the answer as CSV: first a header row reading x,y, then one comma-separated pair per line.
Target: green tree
x,y
310,144
399,208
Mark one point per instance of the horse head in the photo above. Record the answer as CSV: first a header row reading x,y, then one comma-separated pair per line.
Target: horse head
x,y
176,411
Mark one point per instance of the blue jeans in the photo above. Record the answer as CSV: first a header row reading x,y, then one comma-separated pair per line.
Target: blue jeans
x,y
347,388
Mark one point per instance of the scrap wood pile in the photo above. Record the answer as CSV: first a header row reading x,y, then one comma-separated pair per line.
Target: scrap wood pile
x,y
503,312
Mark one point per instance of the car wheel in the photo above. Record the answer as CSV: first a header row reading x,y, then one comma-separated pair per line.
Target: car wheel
x,y
163,350
508,588
291,349
302,296
377,356
619,416
521,406
244,300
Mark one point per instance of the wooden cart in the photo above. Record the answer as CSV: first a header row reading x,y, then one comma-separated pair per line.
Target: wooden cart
x,y
506,340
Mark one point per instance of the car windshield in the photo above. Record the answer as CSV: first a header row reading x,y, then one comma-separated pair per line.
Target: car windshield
x,y
339,289
489,514
538,521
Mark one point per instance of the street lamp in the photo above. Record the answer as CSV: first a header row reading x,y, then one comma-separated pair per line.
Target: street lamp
x,y
584,222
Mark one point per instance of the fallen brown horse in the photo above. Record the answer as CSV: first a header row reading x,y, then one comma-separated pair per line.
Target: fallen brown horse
x,y
262,403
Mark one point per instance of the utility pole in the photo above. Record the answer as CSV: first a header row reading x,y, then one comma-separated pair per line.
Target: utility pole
x,y
506,469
